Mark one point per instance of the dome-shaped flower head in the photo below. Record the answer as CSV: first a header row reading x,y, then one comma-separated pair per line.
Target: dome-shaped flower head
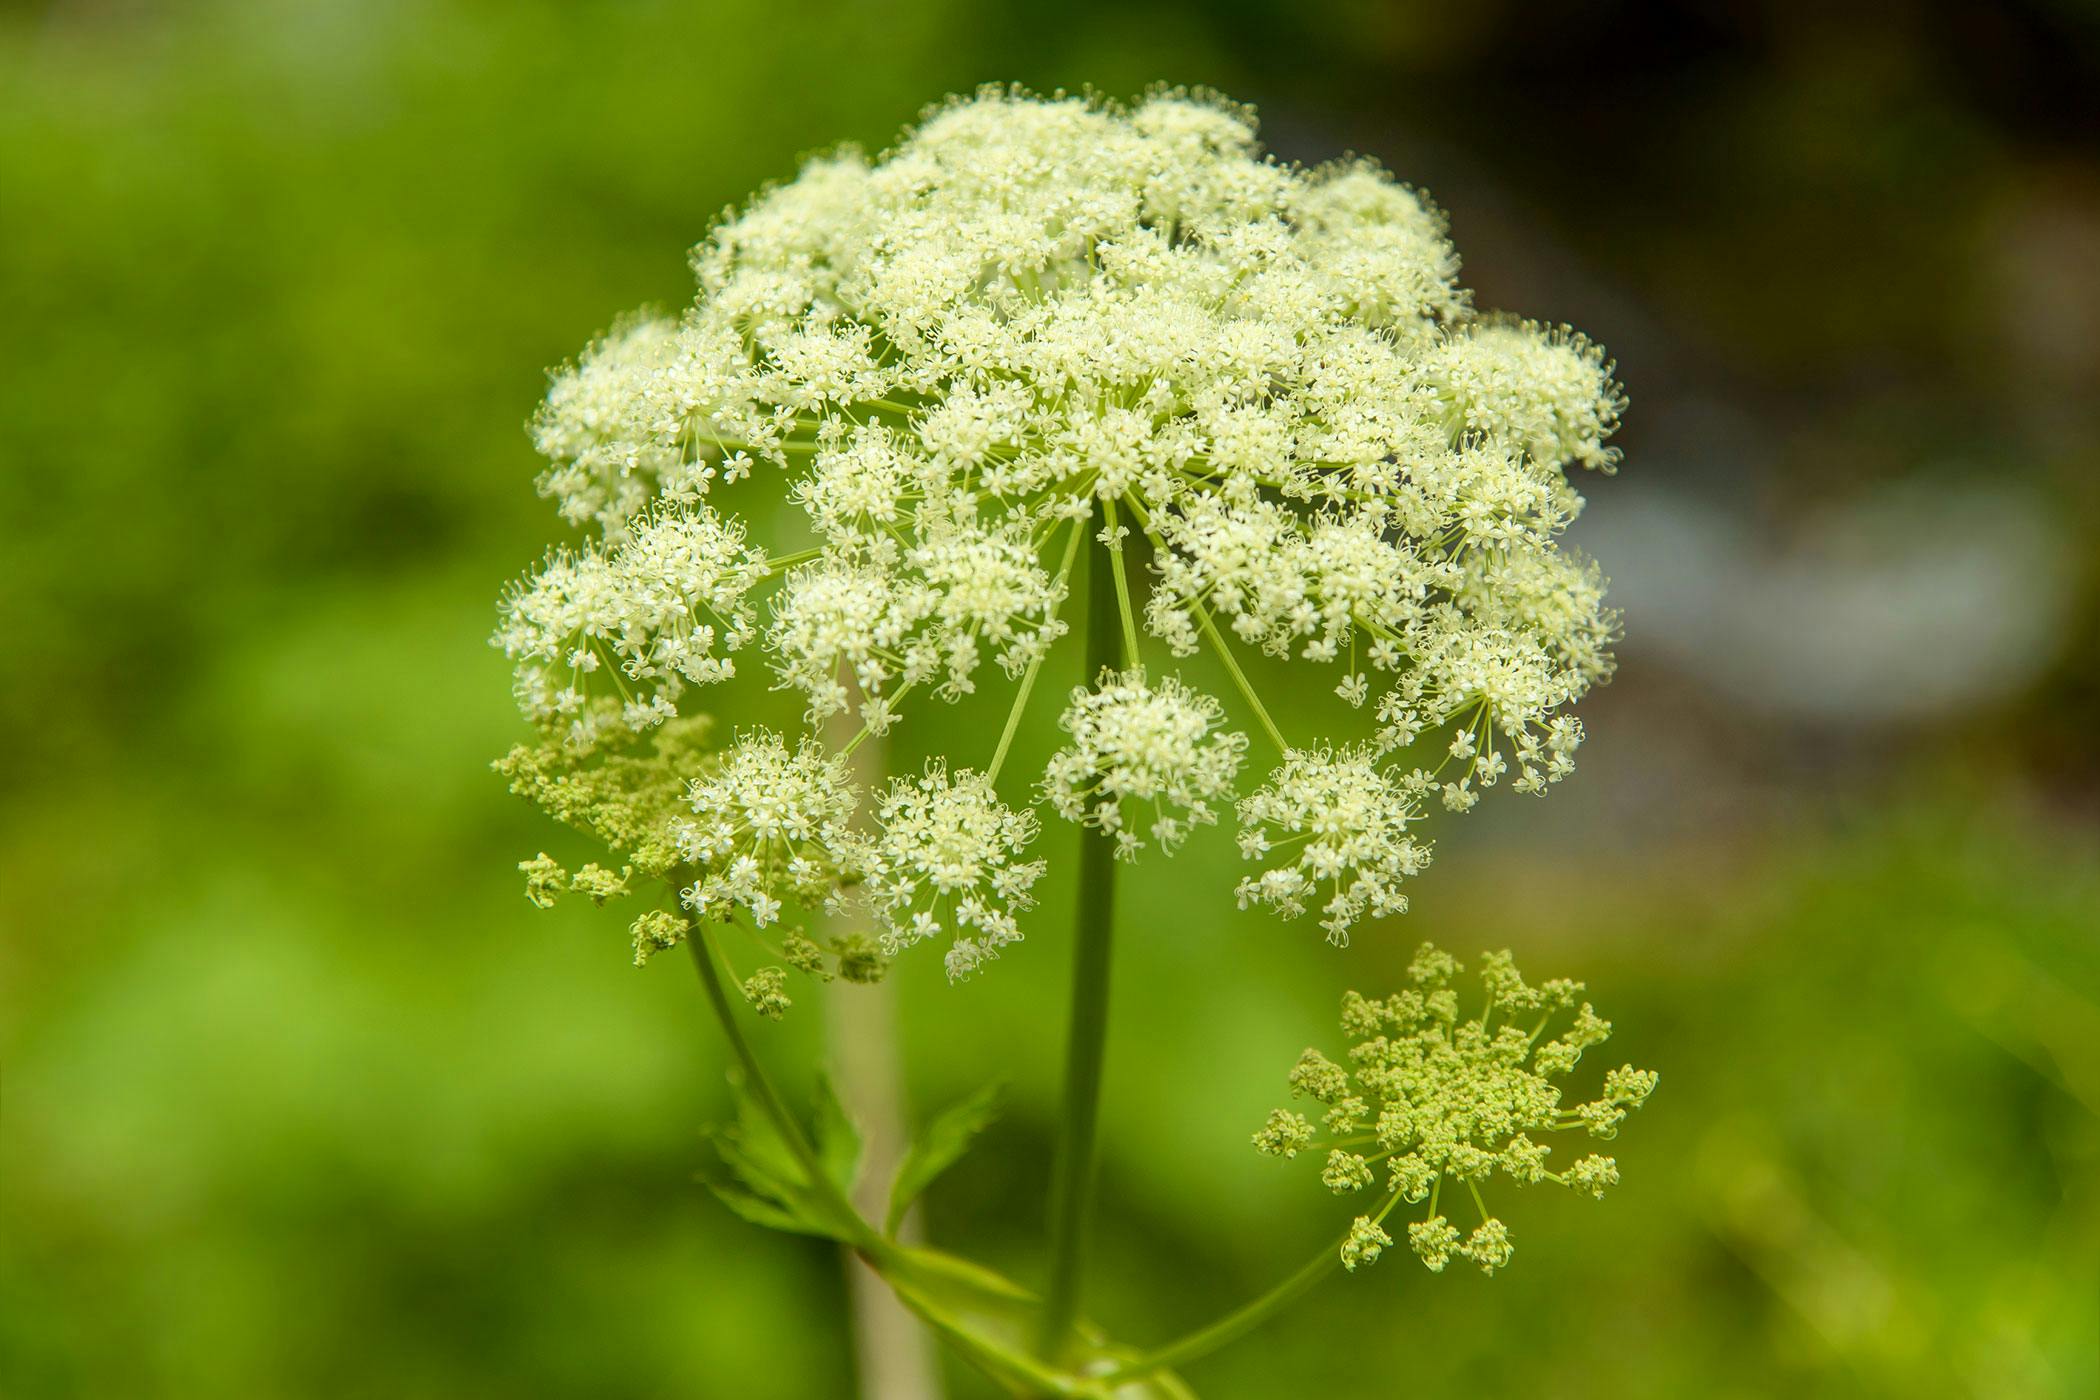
x,y
1037,323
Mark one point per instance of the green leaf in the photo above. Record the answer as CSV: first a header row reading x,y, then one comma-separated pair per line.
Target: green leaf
x,y
752,1149
938,1148
839,1140
767,1184
750,1172
773,1216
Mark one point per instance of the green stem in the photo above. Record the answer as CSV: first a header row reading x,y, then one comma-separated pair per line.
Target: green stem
x,y
993,1359
1217,641
1239,1322
1072,1183
780,564
1239,677
1128,619
1235,1324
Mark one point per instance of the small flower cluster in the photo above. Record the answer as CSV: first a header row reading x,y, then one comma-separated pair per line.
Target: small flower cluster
x,y
1342,820
849,619
1429,1102
948,858
1033,323
647,614
1160,747
766,822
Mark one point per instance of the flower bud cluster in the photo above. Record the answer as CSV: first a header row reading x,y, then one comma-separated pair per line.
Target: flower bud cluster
x,y
1430,1105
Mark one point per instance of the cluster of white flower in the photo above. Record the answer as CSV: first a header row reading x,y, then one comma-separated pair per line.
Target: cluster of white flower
x,y
947,860
1538,395
1160,747
1030,322
596,431
1340,824
767,823
644,615
1282,585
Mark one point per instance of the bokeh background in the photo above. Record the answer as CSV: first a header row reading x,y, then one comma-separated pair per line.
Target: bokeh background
x,y
301,1098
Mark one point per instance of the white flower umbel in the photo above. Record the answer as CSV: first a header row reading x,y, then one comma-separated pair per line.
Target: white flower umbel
x,y
1037,323
1256,399
947,861
768,823
1160,748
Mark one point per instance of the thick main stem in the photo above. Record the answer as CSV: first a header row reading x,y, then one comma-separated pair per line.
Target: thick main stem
x,y
895,1355
1072,1182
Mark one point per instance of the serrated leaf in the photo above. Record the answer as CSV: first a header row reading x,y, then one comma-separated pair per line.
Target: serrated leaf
x,y
839,1142
752,1172
752,1150
760,1211
768,1184
938,1148
754,1135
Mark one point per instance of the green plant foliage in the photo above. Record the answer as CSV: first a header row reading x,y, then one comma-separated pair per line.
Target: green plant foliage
x,y
939,1146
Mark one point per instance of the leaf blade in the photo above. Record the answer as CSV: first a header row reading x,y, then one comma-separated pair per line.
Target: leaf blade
x,y
938,1148
838,1138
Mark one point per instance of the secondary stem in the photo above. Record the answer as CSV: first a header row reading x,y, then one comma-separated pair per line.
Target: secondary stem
x,y
1013,716
702,945
1217,641
1072,1183
1236,1323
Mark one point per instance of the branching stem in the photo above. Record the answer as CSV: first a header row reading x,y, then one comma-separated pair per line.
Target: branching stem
x,y
1115,553
1217,642
893,1264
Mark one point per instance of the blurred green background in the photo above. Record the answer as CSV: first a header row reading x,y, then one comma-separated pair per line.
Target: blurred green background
x,y
301,1098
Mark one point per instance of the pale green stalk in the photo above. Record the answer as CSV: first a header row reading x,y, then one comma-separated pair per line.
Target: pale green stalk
x,y
1013,716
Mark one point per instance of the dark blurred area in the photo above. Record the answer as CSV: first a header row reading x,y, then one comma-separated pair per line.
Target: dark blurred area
x,y
302,1099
